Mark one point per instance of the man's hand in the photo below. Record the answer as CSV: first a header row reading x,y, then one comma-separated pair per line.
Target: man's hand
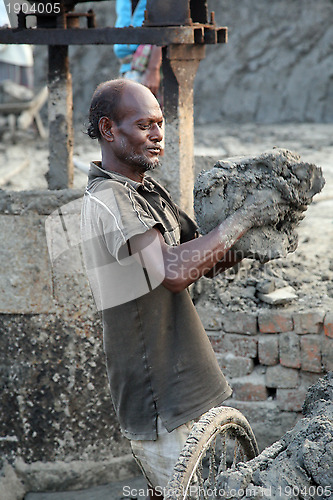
x,y
152,79
152,76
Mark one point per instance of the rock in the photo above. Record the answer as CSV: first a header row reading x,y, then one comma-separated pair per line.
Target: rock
x,y
278,297
318,460
11,487
219,192
265,286
321,391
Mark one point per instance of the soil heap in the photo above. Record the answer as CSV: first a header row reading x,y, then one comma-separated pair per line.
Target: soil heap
x,y
297,466
220,191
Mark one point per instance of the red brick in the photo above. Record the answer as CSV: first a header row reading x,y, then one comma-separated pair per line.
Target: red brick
x,y
308,379
234,366
210,316
308,321
290,350
247,390
239,345
245,323
327,353
275,322
311,353
291,399
268,350
328,325
280,377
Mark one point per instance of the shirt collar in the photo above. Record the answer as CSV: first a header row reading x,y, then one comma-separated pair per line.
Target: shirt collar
x,y
96,170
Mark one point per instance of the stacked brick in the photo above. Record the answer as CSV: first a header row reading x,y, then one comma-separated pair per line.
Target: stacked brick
x,y
270,359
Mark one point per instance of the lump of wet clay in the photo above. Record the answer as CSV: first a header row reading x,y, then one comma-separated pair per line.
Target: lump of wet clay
x,y
219,192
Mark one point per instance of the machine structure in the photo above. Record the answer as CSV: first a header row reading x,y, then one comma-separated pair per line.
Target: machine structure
x,y
182,27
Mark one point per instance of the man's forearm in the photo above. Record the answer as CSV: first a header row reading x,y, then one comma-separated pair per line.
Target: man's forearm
x,y
231,259
186,263
155,59
152,77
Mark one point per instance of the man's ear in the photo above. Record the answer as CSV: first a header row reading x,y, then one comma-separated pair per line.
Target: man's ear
x,y
105,127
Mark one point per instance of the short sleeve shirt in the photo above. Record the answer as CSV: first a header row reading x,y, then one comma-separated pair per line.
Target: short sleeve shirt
x,y
159,358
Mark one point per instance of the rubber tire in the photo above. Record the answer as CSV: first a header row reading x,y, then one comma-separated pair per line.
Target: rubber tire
x,y
198,441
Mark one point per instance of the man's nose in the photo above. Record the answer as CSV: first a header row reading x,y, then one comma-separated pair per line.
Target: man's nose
x,y
156,133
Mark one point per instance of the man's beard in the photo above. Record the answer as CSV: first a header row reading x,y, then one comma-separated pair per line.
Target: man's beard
x,y
143,163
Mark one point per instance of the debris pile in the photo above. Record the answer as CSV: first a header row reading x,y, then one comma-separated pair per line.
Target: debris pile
x,y
222,190
19,109
297,466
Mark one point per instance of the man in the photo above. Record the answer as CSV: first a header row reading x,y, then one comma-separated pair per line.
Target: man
x,y
141,253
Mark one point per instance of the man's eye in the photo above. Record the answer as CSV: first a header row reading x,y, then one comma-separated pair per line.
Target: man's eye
x,y
144,127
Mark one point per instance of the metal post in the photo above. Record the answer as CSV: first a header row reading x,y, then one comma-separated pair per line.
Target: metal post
x,y
180,64
60,112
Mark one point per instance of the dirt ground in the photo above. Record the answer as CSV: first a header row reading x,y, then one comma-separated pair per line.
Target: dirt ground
x,y
309,270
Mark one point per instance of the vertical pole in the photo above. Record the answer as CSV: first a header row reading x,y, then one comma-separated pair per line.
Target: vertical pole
x,y
60,112
180,64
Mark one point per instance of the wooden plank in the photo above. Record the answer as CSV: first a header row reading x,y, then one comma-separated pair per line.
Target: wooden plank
x,y
12,173
30,113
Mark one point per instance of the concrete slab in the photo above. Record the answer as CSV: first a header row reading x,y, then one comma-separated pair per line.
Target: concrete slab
x,y
25,284
128,488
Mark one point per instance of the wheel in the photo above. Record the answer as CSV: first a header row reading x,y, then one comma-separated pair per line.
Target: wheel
x,y
218,441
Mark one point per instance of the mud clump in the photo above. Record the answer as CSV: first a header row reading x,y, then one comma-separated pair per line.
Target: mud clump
x,y
297,466
219,192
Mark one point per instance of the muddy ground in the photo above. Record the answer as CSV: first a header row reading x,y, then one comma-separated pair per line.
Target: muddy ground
x,y
299,465
309,270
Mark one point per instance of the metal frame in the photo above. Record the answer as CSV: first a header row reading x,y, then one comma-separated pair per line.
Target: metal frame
x,y
181,27
162,36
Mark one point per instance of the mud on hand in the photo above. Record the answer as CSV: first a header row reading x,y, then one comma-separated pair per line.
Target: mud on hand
x,y
264,207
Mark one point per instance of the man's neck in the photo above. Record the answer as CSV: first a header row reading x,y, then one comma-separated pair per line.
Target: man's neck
x,y
123,169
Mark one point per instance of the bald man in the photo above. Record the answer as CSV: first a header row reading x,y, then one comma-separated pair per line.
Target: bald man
x,y
141,253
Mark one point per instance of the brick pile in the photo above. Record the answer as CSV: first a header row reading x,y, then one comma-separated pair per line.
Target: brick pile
x,y
271,358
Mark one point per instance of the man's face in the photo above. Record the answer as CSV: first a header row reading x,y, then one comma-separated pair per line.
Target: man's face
x,y
138,138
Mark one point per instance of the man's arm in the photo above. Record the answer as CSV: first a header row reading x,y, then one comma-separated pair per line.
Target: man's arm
x,y
231,259
184,264
152,77
179,266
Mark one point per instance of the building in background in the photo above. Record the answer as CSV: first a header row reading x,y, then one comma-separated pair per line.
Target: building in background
x,y
16,61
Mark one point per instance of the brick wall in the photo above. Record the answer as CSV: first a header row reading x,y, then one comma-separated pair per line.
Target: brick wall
x,y
270,358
